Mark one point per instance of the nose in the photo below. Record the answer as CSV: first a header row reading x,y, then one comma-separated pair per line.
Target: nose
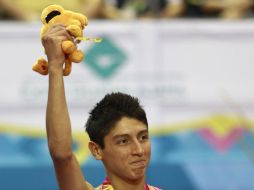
x,y
137,148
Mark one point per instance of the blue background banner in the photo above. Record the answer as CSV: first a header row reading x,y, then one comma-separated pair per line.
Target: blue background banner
x,y
182,158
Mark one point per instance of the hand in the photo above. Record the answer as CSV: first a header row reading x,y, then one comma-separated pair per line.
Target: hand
x,y
52,41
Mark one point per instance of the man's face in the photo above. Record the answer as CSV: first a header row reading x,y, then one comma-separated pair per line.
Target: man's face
x,y
127,150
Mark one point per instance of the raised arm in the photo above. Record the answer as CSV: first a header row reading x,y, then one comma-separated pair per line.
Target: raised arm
x,y
58,125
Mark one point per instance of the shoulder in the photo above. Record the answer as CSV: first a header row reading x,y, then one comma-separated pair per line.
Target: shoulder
x,y
153,188
98,188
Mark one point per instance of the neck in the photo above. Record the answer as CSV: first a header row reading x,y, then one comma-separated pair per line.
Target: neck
x,y
127,184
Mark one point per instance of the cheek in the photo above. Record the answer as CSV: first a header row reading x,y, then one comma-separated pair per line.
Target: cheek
x,y
118,154
123,154
120,160
148,150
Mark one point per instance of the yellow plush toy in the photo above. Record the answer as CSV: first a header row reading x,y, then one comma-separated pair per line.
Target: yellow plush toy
x,y
74,23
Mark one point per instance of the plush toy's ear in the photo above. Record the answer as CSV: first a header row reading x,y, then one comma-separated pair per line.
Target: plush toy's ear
x,y
50,12
44,29
83,19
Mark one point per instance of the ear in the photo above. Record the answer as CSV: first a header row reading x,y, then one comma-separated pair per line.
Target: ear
x,y
95,149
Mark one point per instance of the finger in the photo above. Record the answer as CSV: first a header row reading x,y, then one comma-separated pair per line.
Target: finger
x,y
56,26
56,38
64,33
55,29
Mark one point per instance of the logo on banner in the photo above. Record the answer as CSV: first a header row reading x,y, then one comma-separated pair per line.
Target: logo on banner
x,y
105,58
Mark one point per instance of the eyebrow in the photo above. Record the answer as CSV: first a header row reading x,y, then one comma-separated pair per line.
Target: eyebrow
x,y
127,135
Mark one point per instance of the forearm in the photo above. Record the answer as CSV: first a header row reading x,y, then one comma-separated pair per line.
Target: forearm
x,y
57,118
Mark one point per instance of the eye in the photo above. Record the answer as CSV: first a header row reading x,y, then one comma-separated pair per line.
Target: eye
x,y
122,141
144,137
51,15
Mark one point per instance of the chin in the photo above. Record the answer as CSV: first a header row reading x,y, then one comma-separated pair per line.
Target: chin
x,y
138,173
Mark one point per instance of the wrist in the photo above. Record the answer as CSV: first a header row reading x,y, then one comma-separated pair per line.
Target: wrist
x,y
55,70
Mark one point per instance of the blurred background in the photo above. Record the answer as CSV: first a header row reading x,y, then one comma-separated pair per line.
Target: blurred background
x,y
190,62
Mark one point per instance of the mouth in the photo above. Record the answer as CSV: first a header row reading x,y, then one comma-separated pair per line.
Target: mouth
x,y
139,163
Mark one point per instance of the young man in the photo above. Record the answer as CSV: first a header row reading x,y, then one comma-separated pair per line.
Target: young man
x,y
117,128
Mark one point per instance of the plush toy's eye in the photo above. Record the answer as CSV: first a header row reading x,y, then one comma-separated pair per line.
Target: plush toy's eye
x,y
51,15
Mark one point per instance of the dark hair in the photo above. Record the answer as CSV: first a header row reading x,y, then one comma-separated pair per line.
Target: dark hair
x,y
109,111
